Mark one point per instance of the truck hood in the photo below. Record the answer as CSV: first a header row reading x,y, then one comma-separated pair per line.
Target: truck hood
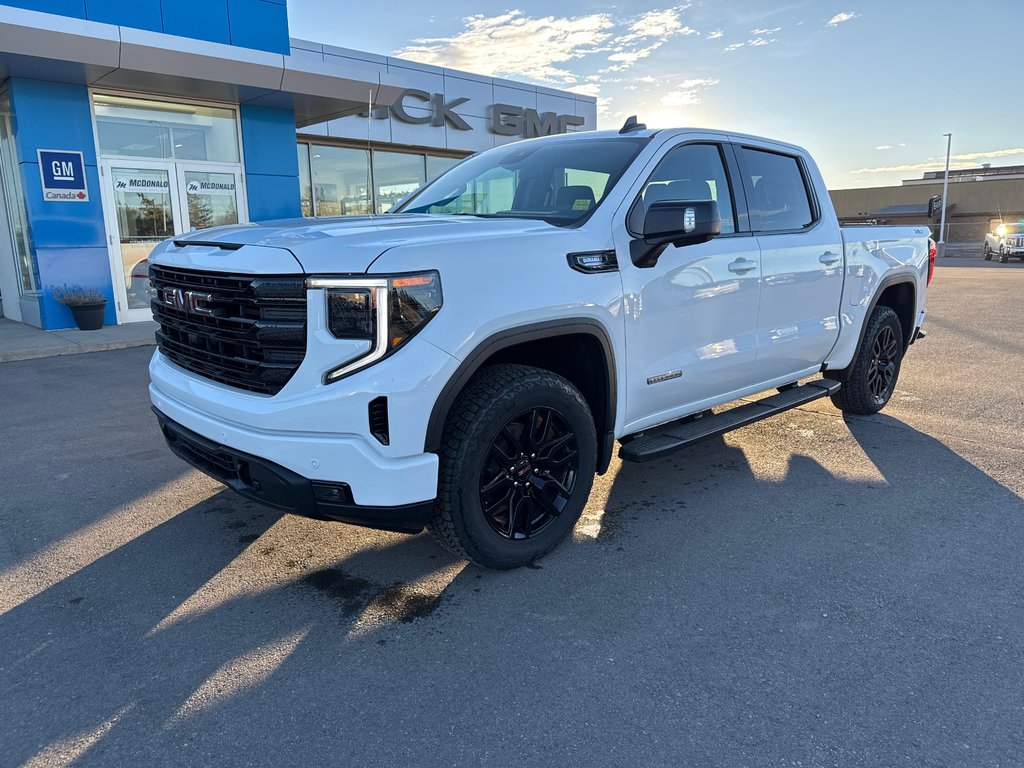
x,y
324,246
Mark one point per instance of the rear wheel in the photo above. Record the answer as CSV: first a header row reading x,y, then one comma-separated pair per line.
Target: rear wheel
x,y
517,464
871,378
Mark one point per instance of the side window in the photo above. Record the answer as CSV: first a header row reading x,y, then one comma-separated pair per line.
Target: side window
x,y
778,199
692,172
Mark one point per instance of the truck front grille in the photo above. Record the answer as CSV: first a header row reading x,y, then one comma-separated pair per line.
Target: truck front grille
x,y
244,331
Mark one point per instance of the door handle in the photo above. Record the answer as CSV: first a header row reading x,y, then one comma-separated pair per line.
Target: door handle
x,y
828,258
742,265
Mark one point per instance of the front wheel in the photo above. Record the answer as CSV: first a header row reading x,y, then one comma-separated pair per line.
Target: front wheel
x,y
871,378
1003,258
988,253
517,464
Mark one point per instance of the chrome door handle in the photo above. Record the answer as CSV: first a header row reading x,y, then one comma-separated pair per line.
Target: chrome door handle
x,y
742,265
828,258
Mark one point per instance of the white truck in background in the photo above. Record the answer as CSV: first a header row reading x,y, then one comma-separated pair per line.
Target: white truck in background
x,y
468,362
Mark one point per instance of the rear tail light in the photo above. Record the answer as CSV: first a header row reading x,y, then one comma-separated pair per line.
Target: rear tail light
x,y
932,250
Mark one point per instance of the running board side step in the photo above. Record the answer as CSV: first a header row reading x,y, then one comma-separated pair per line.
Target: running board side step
x,y
679,434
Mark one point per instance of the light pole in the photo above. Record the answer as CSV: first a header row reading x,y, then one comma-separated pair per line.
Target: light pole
x,y
945,191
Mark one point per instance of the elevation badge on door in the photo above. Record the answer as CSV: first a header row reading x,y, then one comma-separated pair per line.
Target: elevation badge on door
x,y
63,175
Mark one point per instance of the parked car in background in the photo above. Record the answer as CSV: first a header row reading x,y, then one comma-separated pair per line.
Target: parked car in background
x,y
1004,241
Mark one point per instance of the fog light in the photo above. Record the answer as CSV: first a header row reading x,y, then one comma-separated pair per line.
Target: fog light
x,y
338,493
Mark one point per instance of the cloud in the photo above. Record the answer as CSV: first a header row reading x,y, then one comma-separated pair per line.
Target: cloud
x,y
839,18
765,31
757,42
687,93
966,160
512,44
715,35
734,47
657,24
542,49
884,146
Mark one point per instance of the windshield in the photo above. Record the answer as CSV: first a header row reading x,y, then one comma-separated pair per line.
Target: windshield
x,y
557,181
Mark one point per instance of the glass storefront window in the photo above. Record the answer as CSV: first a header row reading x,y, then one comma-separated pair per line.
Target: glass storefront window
x,y
14,197
211,199
128,127
346,181
305,186
341,180
438,165
395,175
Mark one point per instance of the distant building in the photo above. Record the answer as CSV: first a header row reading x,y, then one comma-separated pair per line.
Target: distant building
x,y
977,198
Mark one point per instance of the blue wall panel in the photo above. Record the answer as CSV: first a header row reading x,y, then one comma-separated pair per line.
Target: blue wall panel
x,y
68,239
259,24
74,8
198,19
273,197
72,266
271,163
51,116
268,140
141,14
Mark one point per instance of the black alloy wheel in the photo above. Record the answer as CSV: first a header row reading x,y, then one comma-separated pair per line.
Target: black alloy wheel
x,y
885,357
517,462
870,379
530,472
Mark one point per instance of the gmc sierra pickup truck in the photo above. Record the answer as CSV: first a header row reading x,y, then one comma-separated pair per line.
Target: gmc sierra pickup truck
x,y
470,361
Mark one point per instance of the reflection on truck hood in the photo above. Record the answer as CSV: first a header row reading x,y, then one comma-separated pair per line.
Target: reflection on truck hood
x,y
352,243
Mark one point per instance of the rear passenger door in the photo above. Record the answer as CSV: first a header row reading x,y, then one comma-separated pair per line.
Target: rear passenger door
x,y
801,263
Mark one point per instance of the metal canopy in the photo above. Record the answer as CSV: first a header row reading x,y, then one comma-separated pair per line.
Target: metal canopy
x,y
46,46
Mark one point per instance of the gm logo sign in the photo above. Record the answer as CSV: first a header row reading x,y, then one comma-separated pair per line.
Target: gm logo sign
x,y
63,176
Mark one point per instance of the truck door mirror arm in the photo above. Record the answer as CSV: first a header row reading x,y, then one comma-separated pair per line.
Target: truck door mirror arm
x,y
674,222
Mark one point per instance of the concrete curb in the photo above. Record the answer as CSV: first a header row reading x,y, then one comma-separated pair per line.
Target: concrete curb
x,y
76,349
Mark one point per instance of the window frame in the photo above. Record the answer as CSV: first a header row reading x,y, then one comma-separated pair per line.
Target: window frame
x,y
748,188
729,165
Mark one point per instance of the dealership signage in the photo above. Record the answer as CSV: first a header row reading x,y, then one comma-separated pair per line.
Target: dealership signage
x,y
210,188
502,119
63,176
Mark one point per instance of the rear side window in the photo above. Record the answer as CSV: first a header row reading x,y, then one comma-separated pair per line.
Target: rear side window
x,y
779,199
692,172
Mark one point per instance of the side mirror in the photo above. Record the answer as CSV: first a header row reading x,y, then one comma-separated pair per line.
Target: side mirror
x,y
675,222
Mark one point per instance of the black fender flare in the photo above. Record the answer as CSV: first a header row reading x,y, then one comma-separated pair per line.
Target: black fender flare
x,y
883,284
519,335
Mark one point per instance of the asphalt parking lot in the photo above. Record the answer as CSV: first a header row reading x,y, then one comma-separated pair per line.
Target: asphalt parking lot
x,y
811,590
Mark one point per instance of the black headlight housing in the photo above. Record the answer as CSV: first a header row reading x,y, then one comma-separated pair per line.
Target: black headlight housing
x,y
385,311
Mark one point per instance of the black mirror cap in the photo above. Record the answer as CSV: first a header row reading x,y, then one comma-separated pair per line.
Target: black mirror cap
x,y
676,222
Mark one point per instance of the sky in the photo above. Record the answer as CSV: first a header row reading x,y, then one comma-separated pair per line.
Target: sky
x,y
869,87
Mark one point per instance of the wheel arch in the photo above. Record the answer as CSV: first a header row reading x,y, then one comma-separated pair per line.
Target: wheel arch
x,y
579,349
899,293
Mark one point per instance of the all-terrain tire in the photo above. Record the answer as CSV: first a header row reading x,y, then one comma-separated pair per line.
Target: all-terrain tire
x,y
876,357
497,411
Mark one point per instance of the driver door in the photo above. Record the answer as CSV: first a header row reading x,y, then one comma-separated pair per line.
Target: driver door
x,y
691,319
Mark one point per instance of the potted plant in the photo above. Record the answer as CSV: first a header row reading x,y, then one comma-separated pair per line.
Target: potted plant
x,y
86,304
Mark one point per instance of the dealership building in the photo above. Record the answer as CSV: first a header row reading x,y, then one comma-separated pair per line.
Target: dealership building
x,y
124,123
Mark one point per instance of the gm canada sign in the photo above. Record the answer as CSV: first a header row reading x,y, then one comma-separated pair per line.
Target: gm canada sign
x,y
63,175
502,119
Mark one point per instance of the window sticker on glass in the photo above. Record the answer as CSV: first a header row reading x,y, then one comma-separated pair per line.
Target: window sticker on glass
x,y
581,205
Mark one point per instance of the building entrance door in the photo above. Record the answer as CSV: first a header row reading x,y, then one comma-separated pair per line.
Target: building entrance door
x,y
152,200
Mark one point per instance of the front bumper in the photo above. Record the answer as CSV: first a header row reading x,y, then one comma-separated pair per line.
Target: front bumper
x,y
280,488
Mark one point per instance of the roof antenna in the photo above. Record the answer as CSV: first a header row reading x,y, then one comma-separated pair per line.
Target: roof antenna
x,y
632,125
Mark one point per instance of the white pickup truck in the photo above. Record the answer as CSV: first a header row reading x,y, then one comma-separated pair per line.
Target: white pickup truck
x,y
469,362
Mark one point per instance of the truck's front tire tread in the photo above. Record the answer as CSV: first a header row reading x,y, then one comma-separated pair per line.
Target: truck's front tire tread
x,y
479,404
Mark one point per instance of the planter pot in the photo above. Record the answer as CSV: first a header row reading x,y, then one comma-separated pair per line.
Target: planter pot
x,y
89,317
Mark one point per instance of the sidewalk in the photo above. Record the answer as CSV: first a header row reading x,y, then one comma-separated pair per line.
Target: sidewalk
x,y
25,342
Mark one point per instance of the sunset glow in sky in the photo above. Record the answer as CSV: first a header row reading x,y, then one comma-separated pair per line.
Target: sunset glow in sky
x,y
869,87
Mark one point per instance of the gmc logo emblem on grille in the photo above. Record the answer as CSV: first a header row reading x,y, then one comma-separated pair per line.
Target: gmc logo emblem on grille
x,y
189,302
